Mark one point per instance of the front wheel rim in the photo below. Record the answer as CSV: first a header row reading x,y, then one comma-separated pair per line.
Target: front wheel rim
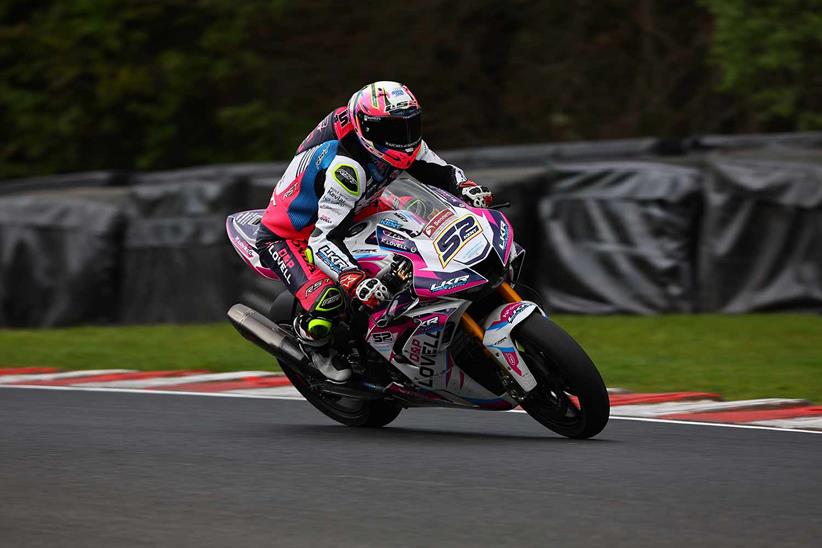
x,y
553,399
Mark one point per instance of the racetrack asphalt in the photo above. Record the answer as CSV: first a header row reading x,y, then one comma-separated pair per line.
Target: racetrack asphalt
x,y
123,469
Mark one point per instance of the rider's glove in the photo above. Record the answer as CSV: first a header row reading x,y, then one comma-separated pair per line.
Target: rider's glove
x,y
475,194
369,291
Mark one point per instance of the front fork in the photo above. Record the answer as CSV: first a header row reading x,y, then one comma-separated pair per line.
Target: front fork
x,y
496,337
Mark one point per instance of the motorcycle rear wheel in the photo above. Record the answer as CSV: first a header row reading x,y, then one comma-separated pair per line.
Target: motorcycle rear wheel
x,y
570,397
345,410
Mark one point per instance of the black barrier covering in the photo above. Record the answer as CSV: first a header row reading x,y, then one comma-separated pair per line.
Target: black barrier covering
x,y
618,237
212,173
177,263
806,140
540,154
58,261
88,179
761,243
602,236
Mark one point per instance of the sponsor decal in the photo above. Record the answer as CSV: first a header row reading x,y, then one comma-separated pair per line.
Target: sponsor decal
x,y
449,284
512,311
330,300
290,190
429,324
284,263
475,252
422,349
430,321
396,241
322,154
453,238
503,233
332,259
391,223
423,352
314,287
334,196
246,247
346,175
384,338
513,361
437,221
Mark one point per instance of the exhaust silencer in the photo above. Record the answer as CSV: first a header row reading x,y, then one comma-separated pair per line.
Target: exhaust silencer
x,y
266,334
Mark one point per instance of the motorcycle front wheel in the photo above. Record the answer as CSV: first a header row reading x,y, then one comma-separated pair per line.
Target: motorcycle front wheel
x,y
570,397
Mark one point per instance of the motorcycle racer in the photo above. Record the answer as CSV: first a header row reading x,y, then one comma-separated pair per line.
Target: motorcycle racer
x,y
338,171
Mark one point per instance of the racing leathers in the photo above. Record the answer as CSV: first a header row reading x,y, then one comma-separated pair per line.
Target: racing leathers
x,y
331,178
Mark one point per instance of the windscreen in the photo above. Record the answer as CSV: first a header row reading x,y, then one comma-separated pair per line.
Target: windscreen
x,y
408,195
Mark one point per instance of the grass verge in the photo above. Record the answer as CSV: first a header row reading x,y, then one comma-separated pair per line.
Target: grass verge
x,y
739,356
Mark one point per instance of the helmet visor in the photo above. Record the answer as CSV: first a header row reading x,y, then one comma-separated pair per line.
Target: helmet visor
x,y
397,132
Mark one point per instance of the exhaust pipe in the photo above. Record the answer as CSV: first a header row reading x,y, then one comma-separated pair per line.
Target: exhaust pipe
x,y
266,334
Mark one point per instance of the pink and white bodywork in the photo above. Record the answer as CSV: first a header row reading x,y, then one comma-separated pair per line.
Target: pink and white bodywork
x,y
425,357
242,231
498,340
454,251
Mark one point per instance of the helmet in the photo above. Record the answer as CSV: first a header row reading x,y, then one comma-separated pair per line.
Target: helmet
x,y
388,122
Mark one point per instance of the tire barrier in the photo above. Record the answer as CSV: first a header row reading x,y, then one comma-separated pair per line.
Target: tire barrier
x,y
734,225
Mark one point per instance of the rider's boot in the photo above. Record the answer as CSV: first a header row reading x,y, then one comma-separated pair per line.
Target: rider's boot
x,y
315,334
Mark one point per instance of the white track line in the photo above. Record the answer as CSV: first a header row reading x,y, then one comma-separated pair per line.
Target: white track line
x,y
251,396
701,406
184,379
5,379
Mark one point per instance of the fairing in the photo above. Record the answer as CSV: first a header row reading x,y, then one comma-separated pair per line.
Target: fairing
x,y
454,249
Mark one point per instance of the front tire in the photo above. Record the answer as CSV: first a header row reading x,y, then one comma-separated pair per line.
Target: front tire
x,y
570,398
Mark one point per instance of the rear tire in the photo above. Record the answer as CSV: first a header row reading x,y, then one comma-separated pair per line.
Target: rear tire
x,y
562,369
345,410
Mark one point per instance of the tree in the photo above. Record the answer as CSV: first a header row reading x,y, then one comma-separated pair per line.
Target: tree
x,y
770,55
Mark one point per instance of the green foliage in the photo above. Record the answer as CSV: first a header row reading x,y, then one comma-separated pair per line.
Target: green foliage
x,y
770,54
136,84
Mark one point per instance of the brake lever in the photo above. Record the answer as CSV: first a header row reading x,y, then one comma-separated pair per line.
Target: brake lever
x,y
501,205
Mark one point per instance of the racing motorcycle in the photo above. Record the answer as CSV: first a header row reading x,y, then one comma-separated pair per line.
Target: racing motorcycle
x,y
455,334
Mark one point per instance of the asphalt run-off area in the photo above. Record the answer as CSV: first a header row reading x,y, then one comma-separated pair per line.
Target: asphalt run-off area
x,y
130,469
